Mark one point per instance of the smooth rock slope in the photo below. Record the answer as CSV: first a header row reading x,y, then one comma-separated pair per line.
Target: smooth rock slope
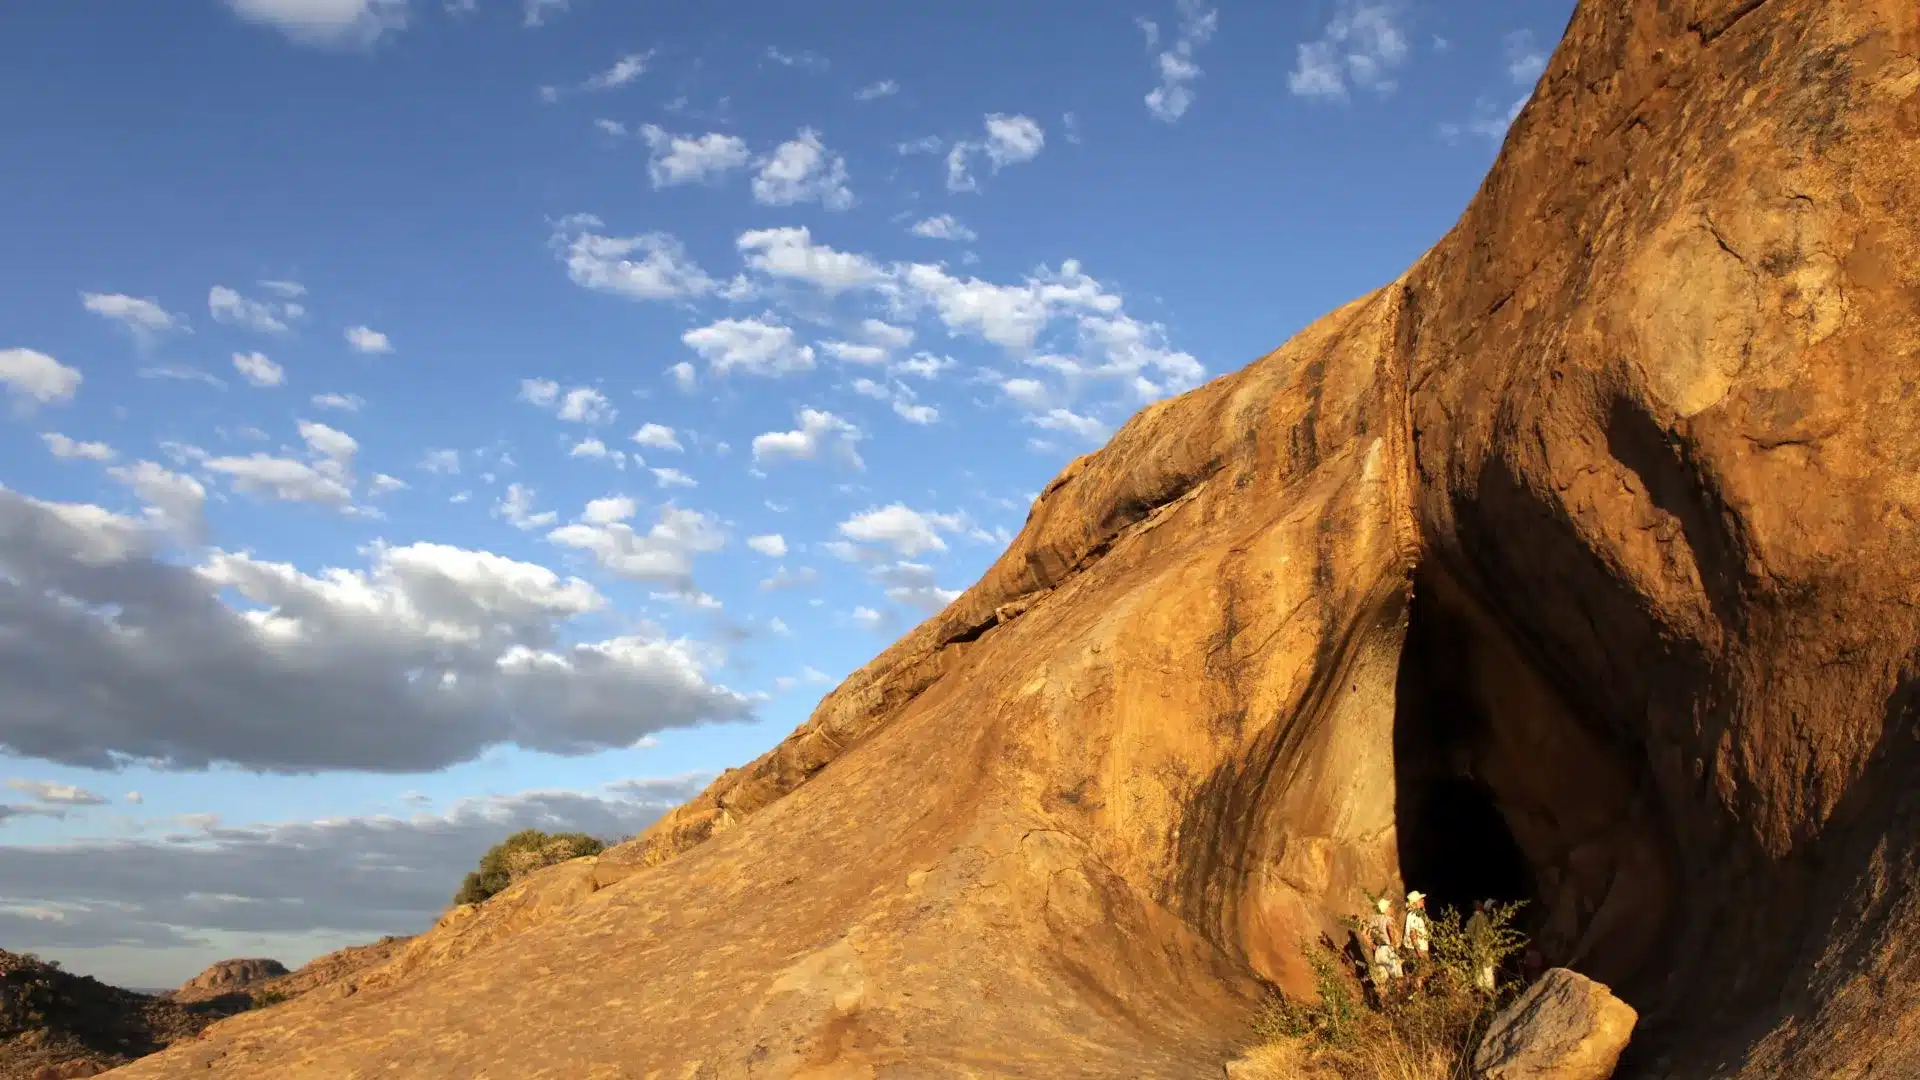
x,y
1580,564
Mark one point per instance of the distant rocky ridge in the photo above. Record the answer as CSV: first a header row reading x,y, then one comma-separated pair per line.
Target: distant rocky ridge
x,y
55,1025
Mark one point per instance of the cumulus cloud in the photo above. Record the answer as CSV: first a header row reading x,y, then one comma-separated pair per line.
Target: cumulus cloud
x,y
789,579
761,346
669,477
516,507
619,73
812,61
258,370
67,449
658,437
649,266
342,402
424,658
177,893
1360,48
802,169
1170,100
683,376
1010,140
691,159
942,227
772,545
228,306
907,531
1058,419
791,254
663,554
175,502
142,317
874,90
47,791
912,584
335,23
34,378
577,405
366,340
820,434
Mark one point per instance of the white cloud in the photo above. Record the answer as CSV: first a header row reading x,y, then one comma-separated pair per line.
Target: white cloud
x,y
536,12
606,511
772,545
183,373
1010,140
598,451
1057,419
1010,316
663,554
143,318
286,290
258,370
669,477
1170,100
909,532
800,170
658,437
134,797
282,479
853,352
819,433
784,579
623,71
382,484
867,619
326,22
31,375
71,450
916,414
943,227
47,791
422,659
802,59
174,502
446,462
328,442
1361,47
691,159
1525,62
871,91
342,402
790,253
577,405
683,376
1029,393
516,507
602,263
366,340
228,306
753,346
912,584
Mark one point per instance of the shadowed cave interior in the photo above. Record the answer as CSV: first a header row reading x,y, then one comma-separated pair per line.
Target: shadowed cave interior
x,y
1503,792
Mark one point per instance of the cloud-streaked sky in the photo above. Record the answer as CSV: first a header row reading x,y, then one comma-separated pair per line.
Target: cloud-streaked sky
x,y
428,418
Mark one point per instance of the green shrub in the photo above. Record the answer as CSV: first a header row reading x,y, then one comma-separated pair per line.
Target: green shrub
x,y
519,855
1425,1028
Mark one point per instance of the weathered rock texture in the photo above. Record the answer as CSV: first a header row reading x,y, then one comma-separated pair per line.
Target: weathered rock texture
x,y
1565,1027
1581,563
229,976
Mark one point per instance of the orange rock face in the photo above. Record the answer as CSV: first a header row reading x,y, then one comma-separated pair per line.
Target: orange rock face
x,y
1580,565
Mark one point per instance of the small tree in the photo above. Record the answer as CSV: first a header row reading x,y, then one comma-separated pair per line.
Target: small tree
x,y
519,855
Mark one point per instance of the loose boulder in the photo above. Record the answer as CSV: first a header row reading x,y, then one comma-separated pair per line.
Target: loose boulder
x,y
1564,1027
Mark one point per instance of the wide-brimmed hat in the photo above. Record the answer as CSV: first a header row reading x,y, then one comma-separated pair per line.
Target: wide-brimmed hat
x,y
1382,904
1416,897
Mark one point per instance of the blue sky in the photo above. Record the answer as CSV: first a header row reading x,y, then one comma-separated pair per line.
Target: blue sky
x,y
426,418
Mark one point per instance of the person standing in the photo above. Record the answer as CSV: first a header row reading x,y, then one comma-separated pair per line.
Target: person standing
x,y
1479,932
1384,942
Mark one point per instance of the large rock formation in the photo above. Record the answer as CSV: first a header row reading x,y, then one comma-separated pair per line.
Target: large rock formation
x,y
229,976
1581,564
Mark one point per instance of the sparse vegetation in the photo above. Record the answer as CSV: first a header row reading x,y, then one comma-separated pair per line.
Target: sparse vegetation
x,y
1425,1027
268,998
519,855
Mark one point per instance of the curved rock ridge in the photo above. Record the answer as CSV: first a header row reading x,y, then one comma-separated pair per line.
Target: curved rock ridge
x,y
1580,565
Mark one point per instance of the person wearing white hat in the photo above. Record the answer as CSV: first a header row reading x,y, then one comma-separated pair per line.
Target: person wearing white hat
x,y
1418,936
1386,956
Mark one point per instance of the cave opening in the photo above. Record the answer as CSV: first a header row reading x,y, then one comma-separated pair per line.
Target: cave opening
x,y
1503,791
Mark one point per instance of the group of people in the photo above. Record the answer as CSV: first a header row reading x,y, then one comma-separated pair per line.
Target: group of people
x,y
1392,944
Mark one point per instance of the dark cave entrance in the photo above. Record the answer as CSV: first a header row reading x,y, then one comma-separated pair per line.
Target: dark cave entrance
x,y
1455,841
1504,791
